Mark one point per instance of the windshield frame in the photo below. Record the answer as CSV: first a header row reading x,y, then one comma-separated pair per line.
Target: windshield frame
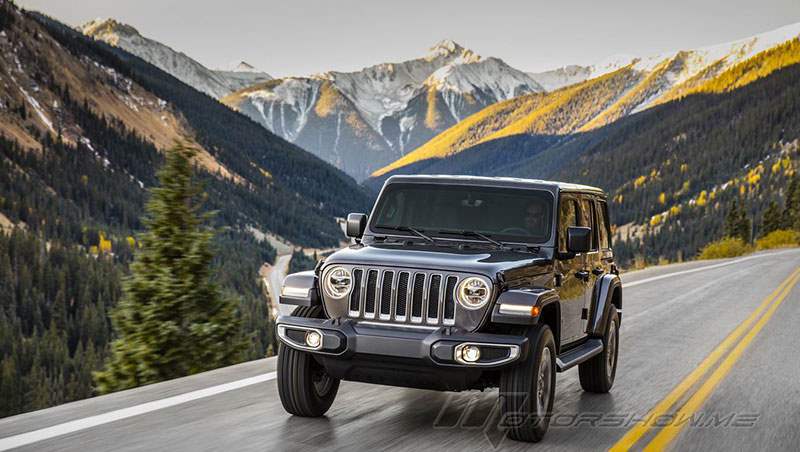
x,y
545,191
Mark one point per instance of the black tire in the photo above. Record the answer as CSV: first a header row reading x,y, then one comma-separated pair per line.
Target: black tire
x,y
524,412
303,386
597,374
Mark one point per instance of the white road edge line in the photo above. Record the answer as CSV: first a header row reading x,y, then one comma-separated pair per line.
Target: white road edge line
x,y
700,269
24,439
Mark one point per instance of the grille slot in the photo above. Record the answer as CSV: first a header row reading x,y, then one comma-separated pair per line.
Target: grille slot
x,y
449,301
402,296
434,295
355,294
417,297
371,293
386,295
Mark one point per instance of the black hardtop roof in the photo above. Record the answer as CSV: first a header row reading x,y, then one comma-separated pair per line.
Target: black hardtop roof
x,y
497,181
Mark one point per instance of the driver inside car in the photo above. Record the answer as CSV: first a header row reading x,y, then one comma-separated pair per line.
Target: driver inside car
x,y
534,221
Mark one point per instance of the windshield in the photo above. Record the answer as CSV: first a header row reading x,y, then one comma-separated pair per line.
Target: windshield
x,y
509,214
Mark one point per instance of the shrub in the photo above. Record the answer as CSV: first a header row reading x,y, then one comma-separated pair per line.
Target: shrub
x,y
727,247
782,238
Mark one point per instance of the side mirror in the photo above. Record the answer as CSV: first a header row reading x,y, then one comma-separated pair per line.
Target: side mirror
x,y
579,239
356,224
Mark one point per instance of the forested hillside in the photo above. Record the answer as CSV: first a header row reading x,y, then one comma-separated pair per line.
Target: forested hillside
x,y
287,191
83,128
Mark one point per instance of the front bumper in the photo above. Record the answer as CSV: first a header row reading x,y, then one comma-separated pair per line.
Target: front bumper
x,y
434,347
402,356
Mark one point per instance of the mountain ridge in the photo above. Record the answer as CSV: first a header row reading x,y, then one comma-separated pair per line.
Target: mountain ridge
x,y
384,110
642,83
215,83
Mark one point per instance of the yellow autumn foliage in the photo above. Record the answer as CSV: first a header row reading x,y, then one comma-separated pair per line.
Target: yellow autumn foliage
x,y
104,245
702,199
432,117
727,247
781,238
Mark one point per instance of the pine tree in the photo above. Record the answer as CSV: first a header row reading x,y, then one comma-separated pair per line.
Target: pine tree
x,y
772,219
172,320
737,224
791,210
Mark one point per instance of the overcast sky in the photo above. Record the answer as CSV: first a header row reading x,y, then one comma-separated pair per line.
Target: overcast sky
x,y
300,37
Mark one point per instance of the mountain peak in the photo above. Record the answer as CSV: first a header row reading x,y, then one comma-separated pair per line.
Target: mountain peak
x,y
109,25
445,47
244,66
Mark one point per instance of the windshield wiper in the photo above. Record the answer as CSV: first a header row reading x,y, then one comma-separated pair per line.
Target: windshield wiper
x,y
418,232
477,234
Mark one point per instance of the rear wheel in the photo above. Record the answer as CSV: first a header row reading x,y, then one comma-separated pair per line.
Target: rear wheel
x,y
598,373
305,389
528,389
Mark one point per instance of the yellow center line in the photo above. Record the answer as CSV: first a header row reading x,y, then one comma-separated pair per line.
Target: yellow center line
x,y
669,432
652,418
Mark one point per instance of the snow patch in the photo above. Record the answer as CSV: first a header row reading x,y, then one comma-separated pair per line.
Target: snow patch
x,y
38,108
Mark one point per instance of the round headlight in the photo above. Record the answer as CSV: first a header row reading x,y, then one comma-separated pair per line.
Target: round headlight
x,y
337,282
473,292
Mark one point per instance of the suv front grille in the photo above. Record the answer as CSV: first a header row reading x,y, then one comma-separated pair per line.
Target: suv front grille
x,y
403,296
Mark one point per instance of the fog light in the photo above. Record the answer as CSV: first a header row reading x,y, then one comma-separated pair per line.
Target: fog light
x,y
471,353
313,339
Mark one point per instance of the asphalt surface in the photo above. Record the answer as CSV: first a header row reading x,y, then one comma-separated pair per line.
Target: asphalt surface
x,y
274,282
673,318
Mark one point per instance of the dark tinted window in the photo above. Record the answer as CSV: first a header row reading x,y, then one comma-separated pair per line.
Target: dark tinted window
x,y
567,216
589,216
602,225
510,214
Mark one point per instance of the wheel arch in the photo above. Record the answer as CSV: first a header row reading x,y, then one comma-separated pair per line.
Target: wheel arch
x,y
607,296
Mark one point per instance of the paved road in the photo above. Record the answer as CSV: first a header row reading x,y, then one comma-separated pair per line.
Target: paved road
x,y
675,317
274,281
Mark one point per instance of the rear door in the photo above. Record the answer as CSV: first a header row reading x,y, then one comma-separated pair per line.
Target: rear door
x,y
593,262
572,291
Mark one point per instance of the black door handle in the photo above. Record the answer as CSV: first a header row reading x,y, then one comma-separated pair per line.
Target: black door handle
x,y
598,271
583,274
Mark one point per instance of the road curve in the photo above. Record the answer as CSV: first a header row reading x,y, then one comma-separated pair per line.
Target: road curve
x,y
274,281
674,317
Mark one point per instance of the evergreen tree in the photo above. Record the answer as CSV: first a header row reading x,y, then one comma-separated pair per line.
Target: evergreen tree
x,y
791,211
737,224
172,320
772,219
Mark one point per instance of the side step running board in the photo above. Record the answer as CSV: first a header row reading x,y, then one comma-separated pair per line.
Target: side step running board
x,y
579,354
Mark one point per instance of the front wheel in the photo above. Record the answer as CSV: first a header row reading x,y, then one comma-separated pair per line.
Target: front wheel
x,y
528,389
305,389
598,373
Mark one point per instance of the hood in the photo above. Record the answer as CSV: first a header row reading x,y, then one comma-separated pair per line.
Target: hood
x,y
484,261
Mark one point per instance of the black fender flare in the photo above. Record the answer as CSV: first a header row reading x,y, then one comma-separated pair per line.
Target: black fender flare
x,y
514,306
602,303
300,289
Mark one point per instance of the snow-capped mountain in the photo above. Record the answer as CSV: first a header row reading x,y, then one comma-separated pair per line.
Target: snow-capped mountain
x,y
216,83
561,77
683,64
581,98
362,120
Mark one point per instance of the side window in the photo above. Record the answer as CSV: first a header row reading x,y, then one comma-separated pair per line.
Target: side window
x,y
588,219
602,225
567,216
